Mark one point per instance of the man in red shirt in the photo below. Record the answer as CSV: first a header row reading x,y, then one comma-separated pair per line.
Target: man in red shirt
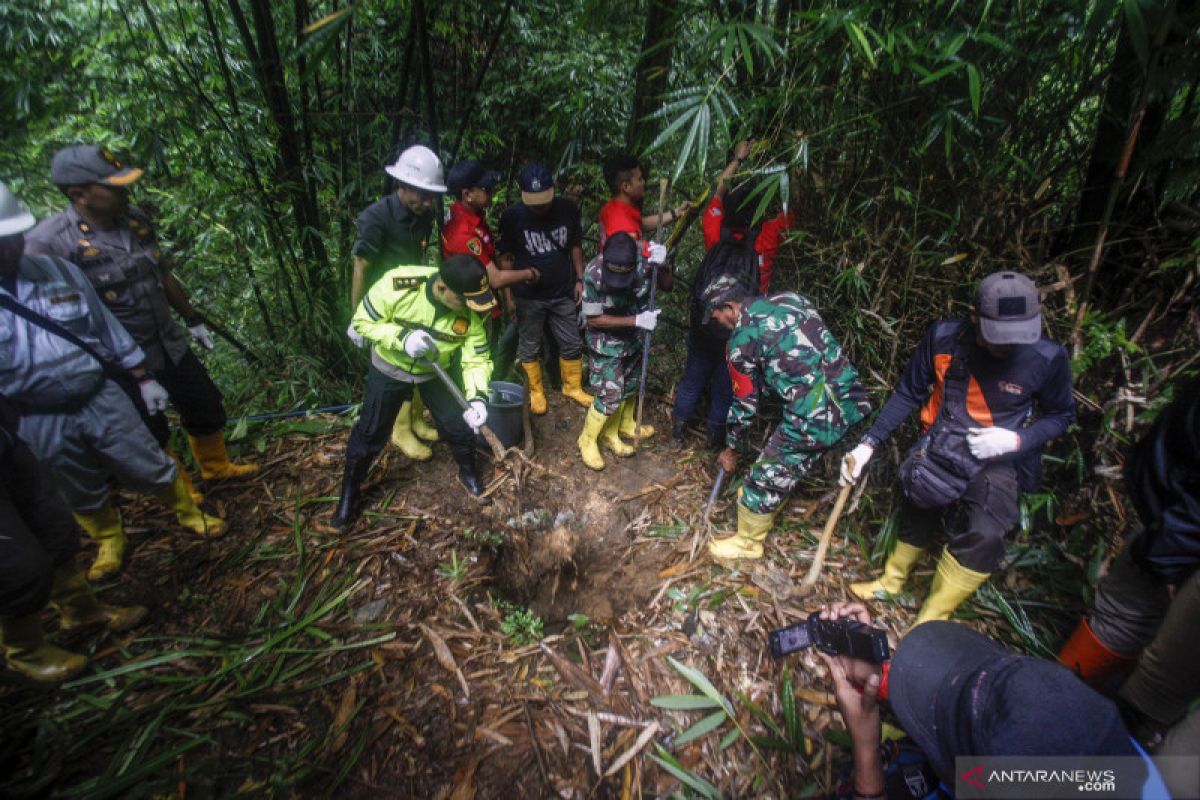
x,y
467,232
732,242
623,213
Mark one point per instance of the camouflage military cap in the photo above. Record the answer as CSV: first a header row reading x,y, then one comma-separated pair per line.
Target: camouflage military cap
x,y
723,290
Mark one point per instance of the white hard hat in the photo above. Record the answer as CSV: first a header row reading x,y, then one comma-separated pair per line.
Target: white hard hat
x,y
14,217
418,167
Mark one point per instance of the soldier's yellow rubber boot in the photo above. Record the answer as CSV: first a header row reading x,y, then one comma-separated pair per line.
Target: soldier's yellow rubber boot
x,y
183,473
402,436
748,541
104,527
610,439
572,379
628,415
589,448
952,584
176,498
27,652
79,607
537,393
895,574
213,459
420,427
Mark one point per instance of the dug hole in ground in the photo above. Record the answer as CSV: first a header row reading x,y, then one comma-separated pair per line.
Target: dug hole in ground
x,y
447,647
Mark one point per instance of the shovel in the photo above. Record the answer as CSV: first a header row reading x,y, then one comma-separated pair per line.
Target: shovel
x,y
712,496
662,200
814,571
493,441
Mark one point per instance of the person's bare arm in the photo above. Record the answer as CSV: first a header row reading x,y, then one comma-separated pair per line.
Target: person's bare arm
x,y
577,263
501,276
357,278
175,295
611,322
650,221
740,152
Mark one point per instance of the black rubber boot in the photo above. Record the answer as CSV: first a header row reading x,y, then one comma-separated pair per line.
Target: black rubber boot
x,y
347,510
716,438
678,432
469,480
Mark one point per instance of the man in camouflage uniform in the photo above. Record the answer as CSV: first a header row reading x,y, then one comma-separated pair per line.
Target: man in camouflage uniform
x,y
779,344
616,296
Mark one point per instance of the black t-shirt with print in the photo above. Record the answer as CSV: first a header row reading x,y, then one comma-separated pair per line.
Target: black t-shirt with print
x,y
544,242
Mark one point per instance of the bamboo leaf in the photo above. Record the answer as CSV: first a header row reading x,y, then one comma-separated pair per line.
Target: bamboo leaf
x,y
704,726
1135,24
683,702
937,75
973,87
728,739
697,679
695,782
855,32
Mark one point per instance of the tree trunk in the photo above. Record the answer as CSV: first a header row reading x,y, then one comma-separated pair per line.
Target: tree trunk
x,y
652,73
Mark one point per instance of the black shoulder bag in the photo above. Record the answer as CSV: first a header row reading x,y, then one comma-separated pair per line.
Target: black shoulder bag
x,y
938,468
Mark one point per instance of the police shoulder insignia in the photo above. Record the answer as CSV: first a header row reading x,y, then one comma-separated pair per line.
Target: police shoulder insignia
x,y
475,246
399,284
110,296
460,326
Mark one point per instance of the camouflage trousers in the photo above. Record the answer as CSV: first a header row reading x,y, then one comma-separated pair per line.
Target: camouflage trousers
x,y
795,446
614,378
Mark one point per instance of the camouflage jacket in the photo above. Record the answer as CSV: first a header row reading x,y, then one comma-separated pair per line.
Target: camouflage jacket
x,y
781,344
598,301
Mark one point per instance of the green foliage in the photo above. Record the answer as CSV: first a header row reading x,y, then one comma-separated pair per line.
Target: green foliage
x,y
521,626
453,570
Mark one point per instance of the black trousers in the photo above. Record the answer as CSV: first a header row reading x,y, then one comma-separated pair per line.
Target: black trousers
x,y
194,395
382,402
37,533
976,525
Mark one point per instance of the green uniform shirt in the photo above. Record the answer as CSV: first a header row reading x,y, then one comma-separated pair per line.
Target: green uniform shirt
x,y
400,303
782,345
600,301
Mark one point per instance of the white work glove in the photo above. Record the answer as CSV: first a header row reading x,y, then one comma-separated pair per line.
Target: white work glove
x,y
986,443
420,344
647,320
200,333
355,336
655,253
853,463
476,415
153,395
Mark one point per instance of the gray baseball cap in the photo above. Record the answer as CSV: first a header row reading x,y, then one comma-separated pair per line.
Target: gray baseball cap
x,y
82,164
1009,308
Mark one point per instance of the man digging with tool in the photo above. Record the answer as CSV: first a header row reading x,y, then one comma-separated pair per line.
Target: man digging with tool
x,y
779,344
616,294
980,446
412,316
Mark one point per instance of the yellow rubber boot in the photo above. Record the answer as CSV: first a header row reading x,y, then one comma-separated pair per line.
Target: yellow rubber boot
x,y
610,439
537,394
629,421
183,473
104,527
420,427
748,541
213,459
572,379
895,574
176,498
952,584
79,607
402,436
589,449
27,652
